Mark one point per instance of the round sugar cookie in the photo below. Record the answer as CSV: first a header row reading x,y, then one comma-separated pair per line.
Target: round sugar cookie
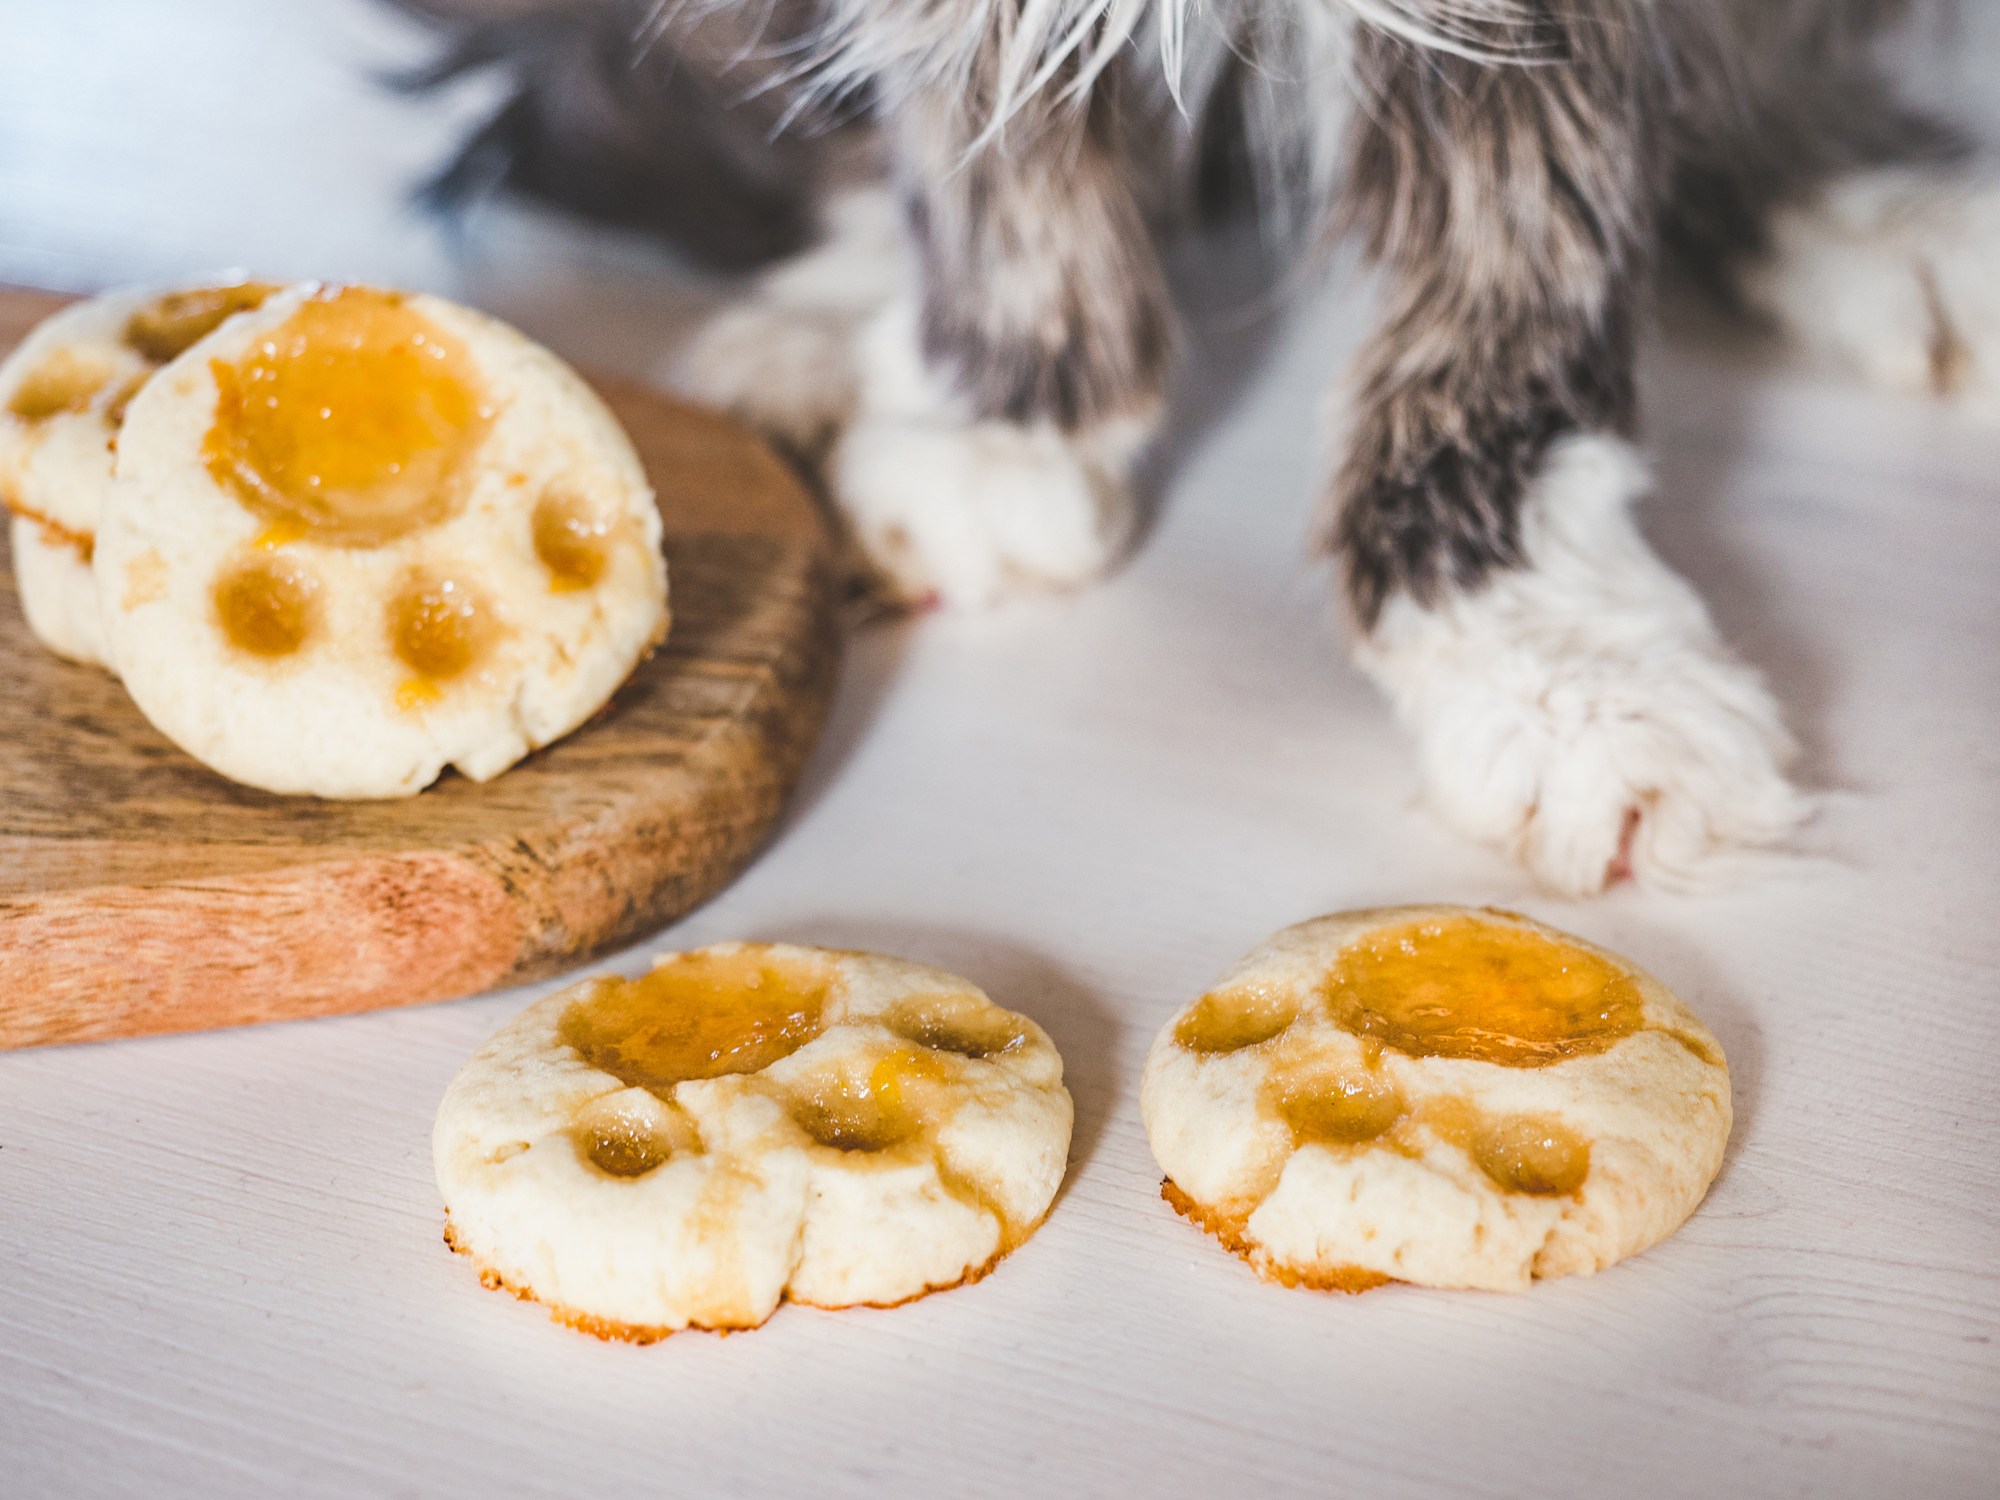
x,y
358,535
63,396
748,1124
1439,1095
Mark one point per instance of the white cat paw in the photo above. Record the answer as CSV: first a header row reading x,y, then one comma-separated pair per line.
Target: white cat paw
x,y
1581,712
955,510
783,359
1895,274
823,357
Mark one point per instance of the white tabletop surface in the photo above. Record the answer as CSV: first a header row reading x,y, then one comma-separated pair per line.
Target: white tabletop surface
x,y
220,1264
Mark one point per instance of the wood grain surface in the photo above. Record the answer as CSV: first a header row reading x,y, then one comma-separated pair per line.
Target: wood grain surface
x,y
141,892
221,1252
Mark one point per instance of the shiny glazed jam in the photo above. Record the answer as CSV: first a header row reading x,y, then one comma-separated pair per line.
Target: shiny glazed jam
x,y
1533,1154
1461,988
1336,1106
439,627
624,1153
355,418
698,1015
569,540
168,326
892,1102
964,1024
266,606
1232,1019
631,1132
1451,987
64,382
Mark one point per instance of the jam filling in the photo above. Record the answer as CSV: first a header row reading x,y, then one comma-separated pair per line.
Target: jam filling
x,y
1452,987
1231,1019
169,326
1461,988
267,606
569,540
699,1015
64,382
355,420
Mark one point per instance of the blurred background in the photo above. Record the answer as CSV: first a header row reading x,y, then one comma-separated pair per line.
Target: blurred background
x,y
150,140
220,1251
153,140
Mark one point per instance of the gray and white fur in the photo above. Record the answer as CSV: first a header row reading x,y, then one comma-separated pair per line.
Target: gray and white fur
x,y
977,378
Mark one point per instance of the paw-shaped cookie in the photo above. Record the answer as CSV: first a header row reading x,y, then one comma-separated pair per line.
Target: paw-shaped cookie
x,y
358,535
63,396
748,1124
1437,1095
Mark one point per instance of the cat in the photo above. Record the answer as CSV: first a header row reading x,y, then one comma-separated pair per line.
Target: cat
x,y
975,353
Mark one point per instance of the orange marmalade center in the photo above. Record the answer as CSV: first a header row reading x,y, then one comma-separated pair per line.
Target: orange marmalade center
x,y
70,380
699,1016
1463,988
1454,987
352,422
707,1015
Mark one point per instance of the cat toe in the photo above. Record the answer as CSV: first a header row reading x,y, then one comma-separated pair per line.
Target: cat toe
x,y
788,372
969,515
784,359
1581,712
1894,274
967,511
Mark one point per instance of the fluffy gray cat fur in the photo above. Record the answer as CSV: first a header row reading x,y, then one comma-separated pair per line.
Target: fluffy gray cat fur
x,y
1517,168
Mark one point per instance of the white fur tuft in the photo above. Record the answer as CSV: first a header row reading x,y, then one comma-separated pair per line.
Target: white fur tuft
x,y
967,512
942,48
1563,700
1894,273
946,508
783,361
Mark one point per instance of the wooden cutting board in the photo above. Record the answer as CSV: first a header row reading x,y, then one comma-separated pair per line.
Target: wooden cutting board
x,y
141,892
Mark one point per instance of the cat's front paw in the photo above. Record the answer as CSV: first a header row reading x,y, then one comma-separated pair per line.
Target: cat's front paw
x,y
783,359
952,509
1894,273
1581,712
942,506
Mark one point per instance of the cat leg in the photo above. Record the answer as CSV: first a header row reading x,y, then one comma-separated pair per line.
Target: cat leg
x,y
784,359
954,508
975,371
1813,196
1570,697
1001,406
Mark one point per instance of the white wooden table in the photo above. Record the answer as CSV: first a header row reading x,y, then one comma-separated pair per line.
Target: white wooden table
x,y
220,1264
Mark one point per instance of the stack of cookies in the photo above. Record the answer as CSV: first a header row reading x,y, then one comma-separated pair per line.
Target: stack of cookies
x,y
332,538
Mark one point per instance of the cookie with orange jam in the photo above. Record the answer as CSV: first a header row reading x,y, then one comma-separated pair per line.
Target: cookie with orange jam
x,y
359,535
749,1124
63,396
1438,1095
